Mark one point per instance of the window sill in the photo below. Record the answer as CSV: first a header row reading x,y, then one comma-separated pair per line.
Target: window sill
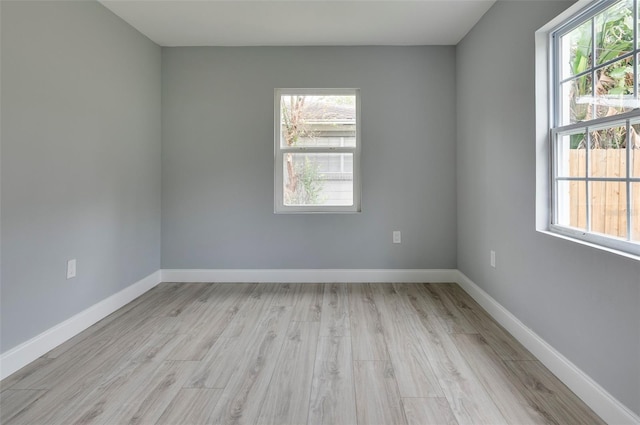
x,y
287,212
614,251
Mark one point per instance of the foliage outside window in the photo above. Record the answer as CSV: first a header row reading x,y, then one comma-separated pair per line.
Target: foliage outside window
x,y
596,126
317,150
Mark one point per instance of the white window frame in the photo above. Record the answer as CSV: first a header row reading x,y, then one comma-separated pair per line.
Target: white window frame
x,y
557,130
280,151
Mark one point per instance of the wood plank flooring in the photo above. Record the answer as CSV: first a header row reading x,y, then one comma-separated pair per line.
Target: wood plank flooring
x,y
348,354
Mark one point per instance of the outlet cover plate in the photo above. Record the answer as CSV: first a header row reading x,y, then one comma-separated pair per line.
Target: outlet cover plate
x,y
71,269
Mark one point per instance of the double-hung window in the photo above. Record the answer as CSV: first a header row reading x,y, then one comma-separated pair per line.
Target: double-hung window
x,y
595,134
317,150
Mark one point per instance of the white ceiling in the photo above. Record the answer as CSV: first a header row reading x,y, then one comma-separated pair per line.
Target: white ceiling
x,y
301,22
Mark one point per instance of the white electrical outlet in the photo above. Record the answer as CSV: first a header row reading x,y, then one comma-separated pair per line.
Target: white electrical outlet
x,y
397,236
71,269
493,259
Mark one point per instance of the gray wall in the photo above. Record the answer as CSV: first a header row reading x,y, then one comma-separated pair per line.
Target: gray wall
x,y
80,161
584,302
217,167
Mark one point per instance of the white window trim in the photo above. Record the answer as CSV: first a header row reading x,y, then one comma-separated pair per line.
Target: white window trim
x,y
279,206
546,77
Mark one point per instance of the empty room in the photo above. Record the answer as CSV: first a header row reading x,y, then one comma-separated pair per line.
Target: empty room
x,y
320,212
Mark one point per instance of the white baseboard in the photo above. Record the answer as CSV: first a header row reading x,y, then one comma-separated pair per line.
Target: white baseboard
x,y
23,354
596,397
309,275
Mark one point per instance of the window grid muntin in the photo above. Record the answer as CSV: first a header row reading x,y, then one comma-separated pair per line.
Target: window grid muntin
x,y
599,67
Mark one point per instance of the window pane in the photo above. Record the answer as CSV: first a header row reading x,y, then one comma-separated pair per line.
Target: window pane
x,y
319,121
635,212
614,31
575,100
571,199
614,88
571,155
609,208
333,165
323,179
608,155
576,51
635,150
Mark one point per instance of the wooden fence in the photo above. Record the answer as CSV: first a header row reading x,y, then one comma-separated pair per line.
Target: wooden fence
x,y
608,199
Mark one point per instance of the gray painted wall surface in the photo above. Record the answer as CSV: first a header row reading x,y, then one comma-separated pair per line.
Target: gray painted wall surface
x,y
217,168
80,161
583,301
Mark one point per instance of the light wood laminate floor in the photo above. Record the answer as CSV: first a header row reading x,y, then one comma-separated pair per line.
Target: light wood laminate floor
x,y
292,354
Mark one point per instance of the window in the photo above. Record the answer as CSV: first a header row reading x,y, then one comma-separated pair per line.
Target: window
x,y
317,150
595,134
